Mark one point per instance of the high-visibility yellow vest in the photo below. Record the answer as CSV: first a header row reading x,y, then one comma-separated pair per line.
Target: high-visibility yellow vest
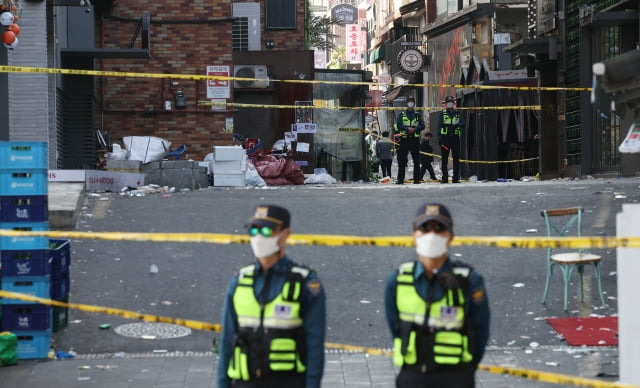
x,y
271,330
409,123
438,340
452,122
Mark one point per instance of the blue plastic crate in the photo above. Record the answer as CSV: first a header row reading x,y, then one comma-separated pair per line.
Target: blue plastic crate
x,y
61,255
24,242
60,284
33,344
26,208
37,262
26,317
23,154
24,182
39,286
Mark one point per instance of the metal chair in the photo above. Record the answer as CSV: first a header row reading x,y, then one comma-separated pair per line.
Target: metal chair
x,y
568,261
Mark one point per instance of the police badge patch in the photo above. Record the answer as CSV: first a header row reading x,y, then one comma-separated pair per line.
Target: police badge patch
x,y
282,311
314,286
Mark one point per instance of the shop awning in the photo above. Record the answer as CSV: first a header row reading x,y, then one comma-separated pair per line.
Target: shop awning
x,y
377,54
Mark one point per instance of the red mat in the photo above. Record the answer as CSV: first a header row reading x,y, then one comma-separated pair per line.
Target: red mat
x,y
590,331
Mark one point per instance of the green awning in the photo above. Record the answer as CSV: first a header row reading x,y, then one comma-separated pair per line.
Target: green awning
x,y
377,54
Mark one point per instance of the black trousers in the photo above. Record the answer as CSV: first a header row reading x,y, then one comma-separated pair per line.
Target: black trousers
x,y
385,165
453,145
278,380
425,165
458,377
407,146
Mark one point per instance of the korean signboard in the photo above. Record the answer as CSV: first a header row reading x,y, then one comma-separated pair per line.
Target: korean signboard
x,y
353,42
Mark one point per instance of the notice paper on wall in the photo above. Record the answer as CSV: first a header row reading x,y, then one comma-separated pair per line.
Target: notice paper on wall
x,y
302,147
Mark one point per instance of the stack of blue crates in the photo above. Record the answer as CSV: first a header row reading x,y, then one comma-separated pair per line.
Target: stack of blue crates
x,y
29,265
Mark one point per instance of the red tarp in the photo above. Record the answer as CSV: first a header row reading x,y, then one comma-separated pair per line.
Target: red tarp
x,y
278,171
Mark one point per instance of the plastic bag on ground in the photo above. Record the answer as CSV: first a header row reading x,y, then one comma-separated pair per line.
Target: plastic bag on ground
x,y
320,176
252,178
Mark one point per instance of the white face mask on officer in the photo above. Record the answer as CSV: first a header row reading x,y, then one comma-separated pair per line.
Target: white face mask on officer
x,y
264,246
411,104
449,105
432,245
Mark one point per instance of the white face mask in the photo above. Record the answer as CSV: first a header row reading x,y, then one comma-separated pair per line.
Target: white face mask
x,y
410,104
449,104
264,246
431,245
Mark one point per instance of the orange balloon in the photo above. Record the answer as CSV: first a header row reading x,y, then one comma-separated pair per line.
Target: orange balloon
x,y
8,37
3,7
14,28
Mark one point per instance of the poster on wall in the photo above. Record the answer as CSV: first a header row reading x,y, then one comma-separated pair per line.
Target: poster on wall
x,y
218,88
304,111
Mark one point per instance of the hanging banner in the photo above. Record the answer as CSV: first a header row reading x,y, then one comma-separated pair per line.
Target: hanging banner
x,y
352,42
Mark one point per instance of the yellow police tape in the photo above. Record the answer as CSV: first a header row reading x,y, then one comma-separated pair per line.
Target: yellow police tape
x,y
275,106
345,240
199,77
555,378
192,324
462,160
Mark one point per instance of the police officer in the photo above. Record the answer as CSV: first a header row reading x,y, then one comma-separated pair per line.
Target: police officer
x,y
274,314
409,124
450,125
437,310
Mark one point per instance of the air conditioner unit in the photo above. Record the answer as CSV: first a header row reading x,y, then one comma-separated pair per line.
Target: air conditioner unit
x,y
257,72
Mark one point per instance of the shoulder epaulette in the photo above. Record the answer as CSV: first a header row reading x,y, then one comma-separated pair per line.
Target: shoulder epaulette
x,y
407,267
247,270
304,272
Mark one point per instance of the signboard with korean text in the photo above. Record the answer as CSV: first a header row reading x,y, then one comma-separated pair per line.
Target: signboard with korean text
x,y
344,13
218,88
352,42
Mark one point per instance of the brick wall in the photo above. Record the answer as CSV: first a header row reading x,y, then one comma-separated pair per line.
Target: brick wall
x,y
136,106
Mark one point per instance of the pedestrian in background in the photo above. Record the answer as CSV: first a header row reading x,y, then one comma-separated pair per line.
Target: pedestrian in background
x,y
409,124
273,326
384,151
450,127
437,310
426,160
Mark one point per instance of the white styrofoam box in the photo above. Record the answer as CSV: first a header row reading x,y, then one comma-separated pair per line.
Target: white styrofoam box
x,y
229,179
229,166
228,153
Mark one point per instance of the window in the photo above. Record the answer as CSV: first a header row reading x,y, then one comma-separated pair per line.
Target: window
x,y
280,14
245,32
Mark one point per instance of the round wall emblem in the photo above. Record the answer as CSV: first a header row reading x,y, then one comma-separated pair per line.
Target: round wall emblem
x,y
410,60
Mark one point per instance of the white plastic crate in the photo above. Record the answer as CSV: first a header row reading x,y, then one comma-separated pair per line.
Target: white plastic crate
x,y
228,153
232,179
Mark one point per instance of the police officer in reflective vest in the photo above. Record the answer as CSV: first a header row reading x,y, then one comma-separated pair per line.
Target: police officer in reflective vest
x,y
437,310
273,326
409,124
450,124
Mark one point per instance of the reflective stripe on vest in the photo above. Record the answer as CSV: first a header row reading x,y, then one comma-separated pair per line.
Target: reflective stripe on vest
x,y
410,123
445,323
282,313
450,121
